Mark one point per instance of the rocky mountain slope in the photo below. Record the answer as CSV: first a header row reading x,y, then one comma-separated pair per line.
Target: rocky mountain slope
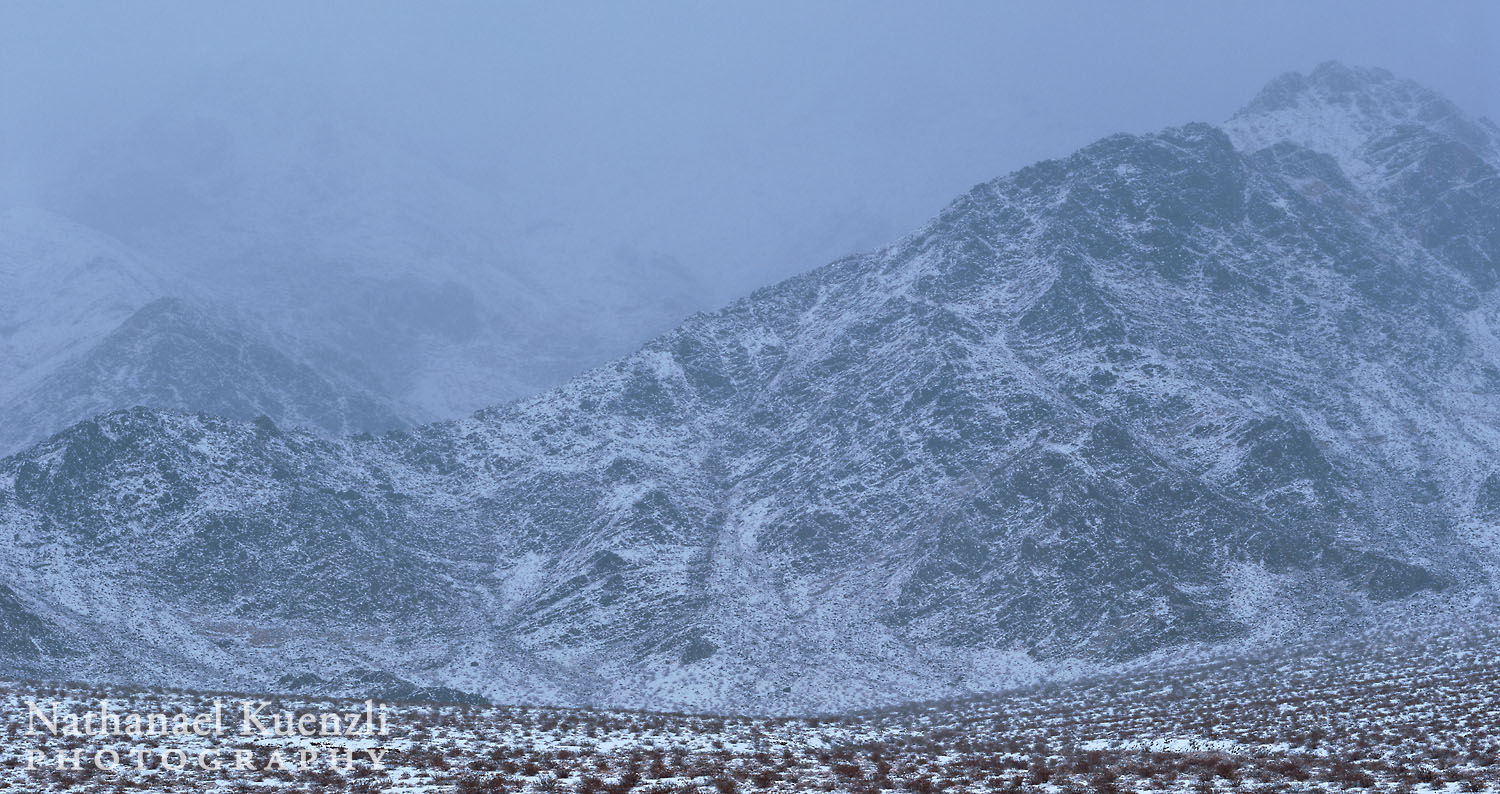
x,y
1209,386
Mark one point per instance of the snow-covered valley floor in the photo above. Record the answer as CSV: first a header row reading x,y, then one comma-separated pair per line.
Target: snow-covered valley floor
x,y
1387,714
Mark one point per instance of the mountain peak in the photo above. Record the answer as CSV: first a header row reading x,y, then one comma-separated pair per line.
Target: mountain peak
x,y
1330,83
1339,109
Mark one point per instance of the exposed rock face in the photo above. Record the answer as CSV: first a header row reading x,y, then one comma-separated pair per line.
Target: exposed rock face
x,y
1197,387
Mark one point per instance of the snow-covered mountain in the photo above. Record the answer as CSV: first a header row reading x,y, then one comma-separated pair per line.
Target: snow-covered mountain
x,y
1352,114
1208,386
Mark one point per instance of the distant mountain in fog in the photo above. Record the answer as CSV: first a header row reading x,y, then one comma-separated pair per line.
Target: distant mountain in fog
x,y
89,326
415,293
351,245
1212,386
456,296
170,356
62,287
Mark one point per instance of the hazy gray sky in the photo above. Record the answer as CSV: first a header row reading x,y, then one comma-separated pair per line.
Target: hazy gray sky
x,y
748,139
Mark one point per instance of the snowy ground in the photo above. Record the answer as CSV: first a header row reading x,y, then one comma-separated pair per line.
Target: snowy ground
x,y
1386,714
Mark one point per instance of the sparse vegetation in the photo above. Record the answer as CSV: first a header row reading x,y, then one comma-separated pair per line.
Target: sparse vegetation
x,y
1419,717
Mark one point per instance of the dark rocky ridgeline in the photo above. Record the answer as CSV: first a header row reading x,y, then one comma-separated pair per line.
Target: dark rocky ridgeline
x,y
1213,385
